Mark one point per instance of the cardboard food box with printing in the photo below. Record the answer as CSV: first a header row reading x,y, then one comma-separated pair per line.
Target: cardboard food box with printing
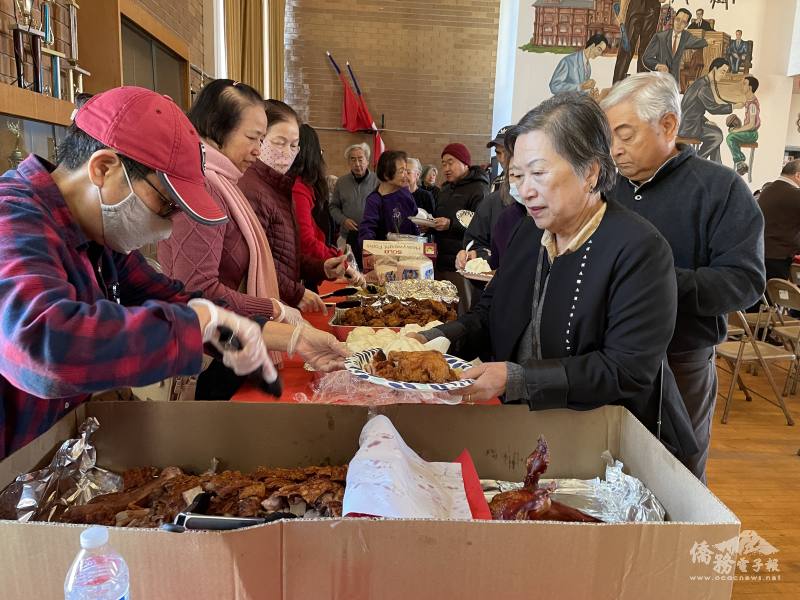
x,y
398,260
365,559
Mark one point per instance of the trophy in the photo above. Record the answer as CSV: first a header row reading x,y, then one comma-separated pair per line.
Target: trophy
x,y
72,8
17,155
49,42
74,72
25,8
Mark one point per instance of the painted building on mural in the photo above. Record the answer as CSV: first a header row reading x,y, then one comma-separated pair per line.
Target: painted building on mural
x,y
569,23
572,22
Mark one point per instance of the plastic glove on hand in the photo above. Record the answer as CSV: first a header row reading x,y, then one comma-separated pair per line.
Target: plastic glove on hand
x,y
286,314
319,349
250,354
311,302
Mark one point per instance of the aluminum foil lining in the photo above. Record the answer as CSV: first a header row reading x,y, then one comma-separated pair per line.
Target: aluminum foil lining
x,y
620,498
422,289
71,479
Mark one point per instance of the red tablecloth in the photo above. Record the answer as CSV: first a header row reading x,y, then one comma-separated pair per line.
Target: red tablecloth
x,y
295,378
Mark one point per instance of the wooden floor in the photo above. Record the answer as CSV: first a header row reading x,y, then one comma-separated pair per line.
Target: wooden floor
x,y
754,468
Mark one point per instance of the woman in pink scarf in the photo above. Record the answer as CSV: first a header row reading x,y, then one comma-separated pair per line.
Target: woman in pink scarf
x,y
231,264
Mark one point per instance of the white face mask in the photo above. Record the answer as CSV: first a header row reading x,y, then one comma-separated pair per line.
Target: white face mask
x,y
130,224
512,189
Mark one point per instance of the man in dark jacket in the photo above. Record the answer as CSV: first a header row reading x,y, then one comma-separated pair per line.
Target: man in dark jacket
x,y
502,157
665,50
701,97
780,203
711,221
464,189
699,22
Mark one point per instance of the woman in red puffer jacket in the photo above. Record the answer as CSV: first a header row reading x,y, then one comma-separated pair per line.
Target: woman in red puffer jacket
x,y
310,197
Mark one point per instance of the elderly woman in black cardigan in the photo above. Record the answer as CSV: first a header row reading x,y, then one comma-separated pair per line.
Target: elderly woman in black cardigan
x,y
582,309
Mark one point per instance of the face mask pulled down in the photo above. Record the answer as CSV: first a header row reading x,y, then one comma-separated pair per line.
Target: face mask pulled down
x,y
130,224
514,192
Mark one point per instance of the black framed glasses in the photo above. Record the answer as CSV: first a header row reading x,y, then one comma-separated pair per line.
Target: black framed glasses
x,y
169,207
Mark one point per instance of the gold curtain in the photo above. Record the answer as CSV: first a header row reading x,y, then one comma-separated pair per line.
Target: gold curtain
x,y
277,19
244,41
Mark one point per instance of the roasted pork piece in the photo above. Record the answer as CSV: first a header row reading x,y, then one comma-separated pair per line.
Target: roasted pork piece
x,y
151,498
533,503
427,366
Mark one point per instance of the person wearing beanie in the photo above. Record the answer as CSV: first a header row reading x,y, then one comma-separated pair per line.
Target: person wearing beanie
x,y
465,188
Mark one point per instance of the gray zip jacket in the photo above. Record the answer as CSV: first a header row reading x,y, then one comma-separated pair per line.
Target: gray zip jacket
x,y
349,197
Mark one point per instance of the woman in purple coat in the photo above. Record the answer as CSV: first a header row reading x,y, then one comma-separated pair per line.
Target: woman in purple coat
x,y
387,208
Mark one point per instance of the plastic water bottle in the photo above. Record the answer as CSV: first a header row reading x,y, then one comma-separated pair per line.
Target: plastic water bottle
x,y
98,572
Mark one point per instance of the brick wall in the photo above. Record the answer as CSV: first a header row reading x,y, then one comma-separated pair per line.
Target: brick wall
x,y
8,71
184,17
428,67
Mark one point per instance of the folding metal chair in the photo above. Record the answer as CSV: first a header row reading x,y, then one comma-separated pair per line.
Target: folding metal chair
x,y
785,296
759,321
794,273
751,350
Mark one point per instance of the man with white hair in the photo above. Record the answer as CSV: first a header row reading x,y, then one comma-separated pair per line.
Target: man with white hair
x,y
350,195
710,219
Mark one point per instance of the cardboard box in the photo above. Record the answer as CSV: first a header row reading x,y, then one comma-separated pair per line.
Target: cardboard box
x,y
388,258
368,559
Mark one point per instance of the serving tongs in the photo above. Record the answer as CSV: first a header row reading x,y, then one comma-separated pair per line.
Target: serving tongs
x,y
194,517
345,291
349,291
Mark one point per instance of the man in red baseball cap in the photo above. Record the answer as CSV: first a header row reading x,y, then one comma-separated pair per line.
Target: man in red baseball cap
x,y
80,310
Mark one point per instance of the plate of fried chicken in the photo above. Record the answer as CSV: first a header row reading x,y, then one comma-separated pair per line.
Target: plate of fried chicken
x,y
424,371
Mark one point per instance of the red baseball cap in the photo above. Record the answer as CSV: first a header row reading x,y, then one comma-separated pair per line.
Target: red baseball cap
x,y
150,129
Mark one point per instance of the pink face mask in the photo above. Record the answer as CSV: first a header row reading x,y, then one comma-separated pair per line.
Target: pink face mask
x,y
278,156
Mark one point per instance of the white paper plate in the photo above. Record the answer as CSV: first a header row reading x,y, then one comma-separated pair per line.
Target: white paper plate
x,y
361,362
476,276
465,217
423,222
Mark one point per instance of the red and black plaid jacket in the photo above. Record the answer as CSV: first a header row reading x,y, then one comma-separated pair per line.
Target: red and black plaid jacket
x,y
76,318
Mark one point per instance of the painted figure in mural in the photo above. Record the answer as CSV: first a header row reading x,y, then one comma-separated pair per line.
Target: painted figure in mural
x,y
665,50
574,73
701,97
737,52
699,22
747,133
638,21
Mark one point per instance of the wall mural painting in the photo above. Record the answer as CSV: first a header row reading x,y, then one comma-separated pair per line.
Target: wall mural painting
x,y
711,68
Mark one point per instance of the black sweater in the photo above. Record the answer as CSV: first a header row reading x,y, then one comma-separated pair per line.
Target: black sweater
x,y
483,222
608,316
715,228
466,193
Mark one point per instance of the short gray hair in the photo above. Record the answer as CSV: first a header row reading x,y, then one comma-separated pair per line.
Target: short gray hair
x,y
791,168
653,94
578,130
413,164
362,146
